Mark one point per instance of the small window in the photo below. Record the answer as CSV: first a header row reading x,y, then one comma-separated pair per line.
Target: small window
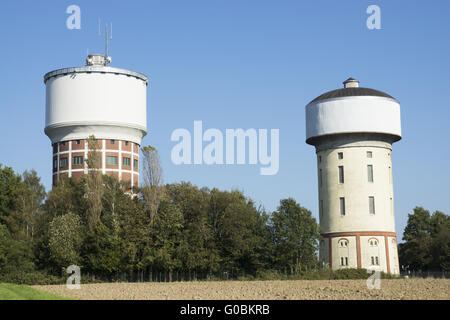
x,y
112,141
374,261
320,177
340,155
369,154
78,141
63,162
320,159
111,160
344,261
373,243
392,206
341,174
64,143
78,160
372,205
342,205
370,173
136,164
55,164
126,162
126,143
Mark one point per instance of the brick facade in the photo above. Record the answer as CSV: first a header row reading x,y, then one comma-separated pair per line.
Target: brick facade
x,y
77,167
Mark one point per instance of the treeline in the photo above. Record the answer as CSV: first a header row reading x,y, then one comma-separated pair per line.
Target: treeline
x,y
174,229
108,229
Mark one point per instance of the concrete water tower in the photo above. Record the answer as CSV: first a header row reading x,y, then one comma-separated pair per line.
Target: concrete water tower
x,y
96,99
353,130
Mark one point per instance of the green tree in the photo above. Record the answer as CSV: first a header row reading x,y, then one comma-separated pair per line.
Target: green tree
x,y
66,196
415,252
198,250
152,191
16,256
94,185
134,234
65,239
31,198
238,239
101,251
166,238
296,235
427,241
440,248
10,189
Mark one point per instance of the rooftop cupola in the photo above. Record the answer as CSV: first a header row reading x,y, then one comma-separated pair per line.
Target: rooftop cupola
x,y
351,83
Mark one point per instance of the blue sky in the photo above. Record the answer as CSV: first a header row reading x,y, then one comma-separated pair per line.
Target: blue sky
x,y
243,64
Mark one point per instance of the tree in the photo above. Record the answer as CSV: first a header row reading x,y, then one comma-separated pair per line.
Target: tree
x,y
65,239
32,196
10,189
152,191
16,256
128,222
197,250
427,241
166,238
238,230
296,235
415,252
113,200
101,250
440,248
65,197
94,185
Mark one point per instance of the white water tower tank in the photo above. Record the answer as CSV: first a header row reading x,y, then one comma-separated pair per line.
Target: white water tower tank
x,y
96,99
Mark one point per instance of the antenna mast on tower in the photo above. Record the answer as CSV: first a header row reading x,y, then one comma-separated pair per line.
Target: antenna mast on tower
x,y
108,36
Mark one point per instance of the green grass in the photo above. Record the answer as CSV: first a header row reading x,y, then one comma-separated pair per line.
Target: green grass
x,y
10,291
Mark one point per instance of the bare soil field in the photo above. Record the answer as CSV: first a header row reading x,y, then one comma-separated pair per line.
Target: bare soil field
x,y
241,290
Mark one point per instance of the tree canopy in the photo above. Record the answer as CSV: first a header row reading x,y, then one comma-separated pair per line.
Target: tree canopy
x,y
99,225
427,241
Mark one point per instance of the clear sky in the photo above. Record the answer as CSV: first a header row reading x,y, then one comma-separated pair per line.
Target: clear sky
x,y
243,64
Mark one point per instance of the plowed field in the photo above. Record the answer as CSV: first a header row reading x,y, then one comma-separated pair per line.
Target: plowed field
x,y
235,290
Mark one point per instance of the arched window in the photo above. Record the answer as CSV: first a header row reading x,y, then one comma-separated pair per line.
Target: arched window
x,y
373,252
373,242
343,252
343,243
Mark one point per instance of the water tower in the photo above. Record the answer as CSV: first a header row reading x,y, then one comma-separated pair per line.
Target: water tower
x,y
353,130
96,99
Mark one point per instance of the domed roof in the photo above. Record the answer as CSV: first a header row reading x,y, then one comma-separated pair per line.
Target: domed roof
x,y
350,89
